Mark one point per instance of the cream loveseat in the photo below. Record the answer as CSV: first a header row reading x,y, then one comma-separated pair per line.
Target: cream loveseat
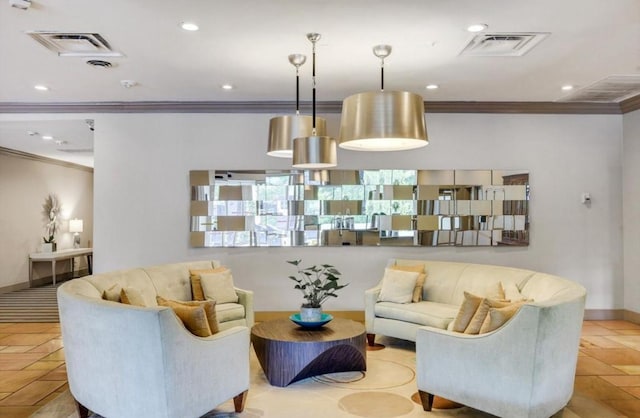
x,y
526,368
129,361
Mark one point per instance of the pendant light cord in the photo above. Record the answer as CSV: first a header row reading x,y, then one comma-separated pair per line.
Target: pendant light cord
x,y
313,77
297,90
382,74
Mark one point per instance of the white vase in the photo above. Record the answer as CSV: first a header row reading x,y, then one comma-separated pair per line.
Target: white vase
x,y
310,314
46,247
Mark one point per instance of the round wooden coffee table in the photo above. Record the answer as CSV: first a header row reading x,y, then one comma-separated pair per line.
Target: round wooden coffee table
x,y
288,353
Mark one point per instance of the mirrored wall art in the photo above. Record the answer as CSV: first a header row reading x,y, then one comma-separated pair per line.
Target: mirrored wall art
x,y
429,208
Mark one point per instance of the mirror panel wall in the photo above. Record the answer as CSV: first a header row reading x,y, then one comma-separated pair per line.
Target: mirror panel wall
x,y
428,208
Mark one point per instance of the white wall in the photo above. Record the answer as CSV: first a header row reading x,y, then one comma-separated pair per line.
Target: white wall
x,y
142,196
631,209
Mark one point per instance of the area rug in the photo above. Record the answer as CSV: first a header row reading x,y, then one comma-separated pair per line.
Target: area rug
x,y
38,304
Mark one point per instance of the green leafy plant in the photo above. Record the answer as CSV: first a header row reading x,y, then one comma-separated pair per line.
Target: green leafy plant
x,y
317,283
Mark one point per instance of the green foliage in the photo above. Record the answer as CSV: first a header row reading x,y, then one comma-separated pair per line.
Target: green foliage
x,y
317,283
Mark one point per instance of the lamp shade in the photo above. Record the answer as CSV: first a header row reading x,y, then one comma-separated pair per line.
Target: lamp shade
x,y
383,121
314,152
75,225
283,129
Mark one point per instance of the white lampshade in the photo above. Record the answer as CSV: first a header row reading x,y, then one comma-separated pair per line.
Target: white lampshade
x,y
75,225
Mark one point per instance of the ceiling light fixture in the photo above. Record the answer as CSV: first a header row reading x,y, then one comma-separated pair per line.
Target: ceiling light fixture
x,y
477,27
283,129
189,26
47,137
567,87
41,87
432,86
384,120
315,151
227,87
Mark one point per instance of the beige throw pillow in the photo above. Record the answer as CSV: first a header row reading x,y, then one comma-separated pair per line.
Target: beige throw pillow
x,y
482,312
466,312
398,286
418,268
196,285
495,291
219,286
497,317
112,293
192,319
132,296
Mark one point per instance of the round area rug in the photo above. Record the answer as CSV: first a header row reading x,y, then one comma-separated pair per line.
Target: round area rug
x,y
376,404
380,374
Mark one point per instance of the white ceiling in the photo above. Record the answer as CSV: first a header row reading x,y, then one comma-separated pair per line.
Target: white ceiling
x,y
246,43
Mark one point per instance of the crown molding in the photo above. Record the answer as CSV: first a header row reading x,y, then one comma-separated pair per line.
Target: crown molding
x,y
46,160
323,107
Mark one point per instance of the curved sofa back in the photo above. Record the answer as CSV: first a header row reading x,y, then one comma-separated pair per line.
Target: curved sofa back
x,y
447,281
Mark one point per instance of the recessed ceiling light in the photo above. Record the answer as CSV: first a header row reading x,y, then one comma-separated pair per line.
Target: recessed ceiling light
x,y
190,26
47,137
41,87
432,86
61,142
227,87
567,87
477,27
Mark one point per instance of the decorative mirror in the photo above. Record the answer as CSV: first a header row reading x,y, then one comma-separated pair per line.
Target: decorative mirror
x,y
429,208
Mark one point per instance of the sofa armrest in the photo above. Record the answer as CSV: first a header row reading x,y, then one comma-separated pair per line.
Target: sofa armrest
x,y
370,300
245,298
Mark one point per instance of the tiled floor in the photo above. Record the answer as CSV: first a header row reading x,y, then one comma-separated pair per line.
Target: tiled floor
x,y
32,366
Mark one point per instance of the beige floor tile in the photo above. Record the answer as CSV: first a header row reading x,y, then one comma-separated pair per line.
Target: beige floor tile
x,y
48,398
588,366
617,325
631,341
32,328
17,411
44,365
11,381
17,348
595,330
59,373
4,395
56,355
597,388
32,393
631,408
14,364
48,347
617,356
597,341
586,407
623,380
635,391
630,369
27,339
628,331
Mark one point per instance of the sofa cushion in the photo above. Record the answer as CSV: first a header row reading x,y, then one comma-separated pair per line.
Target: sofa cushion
x,y
433,314
418,268
229,312
196,283
397,286
132,296
219,286
209,307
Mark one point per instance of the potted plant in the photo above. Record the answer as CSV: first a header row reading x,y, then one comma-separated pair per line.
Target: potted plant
x,y
317,284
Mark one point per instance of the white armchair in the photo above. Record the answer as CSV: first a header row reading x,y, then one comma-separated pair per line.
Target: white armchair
x,y
126,361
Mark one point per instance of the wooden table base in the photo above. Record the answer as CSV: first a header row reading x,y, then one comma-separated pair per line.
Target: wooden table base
x,y
288,353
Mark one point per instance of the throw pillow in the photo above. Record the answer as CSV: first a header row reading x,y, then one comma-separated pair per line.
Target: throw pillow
x,y
219,287
466,312
398,286
112,293
132,296
497,317
192,319
512,293
478,318
196,285
418,268
495,291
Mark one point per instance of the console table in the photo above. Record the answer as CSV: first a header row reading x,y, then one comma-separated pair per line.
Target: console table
x,y
288,353
61,255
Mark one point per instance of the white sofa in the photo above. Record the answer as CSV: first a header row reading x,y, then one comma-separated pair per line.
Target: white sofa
x,y
128,361
526,368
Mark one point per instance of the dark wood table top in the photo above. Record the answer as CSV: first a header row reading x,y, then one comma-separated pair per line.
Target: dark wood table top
x,y
287,330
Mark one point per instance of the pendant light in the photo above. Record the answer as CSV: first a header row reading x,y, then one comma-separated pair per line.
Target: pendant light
x,y
282,129
384,120
316,150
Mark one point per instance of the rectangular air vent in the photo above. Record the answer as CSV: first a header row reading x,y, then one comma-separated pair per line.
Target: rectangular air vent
x,y
502,44
612,89
77,150
75,44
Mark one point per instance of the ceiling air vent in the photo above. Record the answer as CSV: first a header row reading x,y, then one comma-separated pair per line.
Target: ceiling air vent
x,y
612,89
100,63
502,44
75,44
77,150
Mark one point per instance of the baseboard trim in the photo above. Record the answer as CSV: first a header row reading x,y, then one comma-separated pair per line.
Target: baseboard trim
x,y
632,316
603,314
43,281
13,287
270,315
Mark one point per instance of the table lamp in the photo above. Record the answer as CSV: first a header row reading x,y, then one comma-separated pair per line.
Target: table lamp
x,y
75,226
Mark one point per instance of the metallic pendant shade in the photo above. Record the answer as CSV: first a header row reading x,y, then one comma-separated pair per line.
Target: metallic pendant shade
x,y
283,129
384,120
315,150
